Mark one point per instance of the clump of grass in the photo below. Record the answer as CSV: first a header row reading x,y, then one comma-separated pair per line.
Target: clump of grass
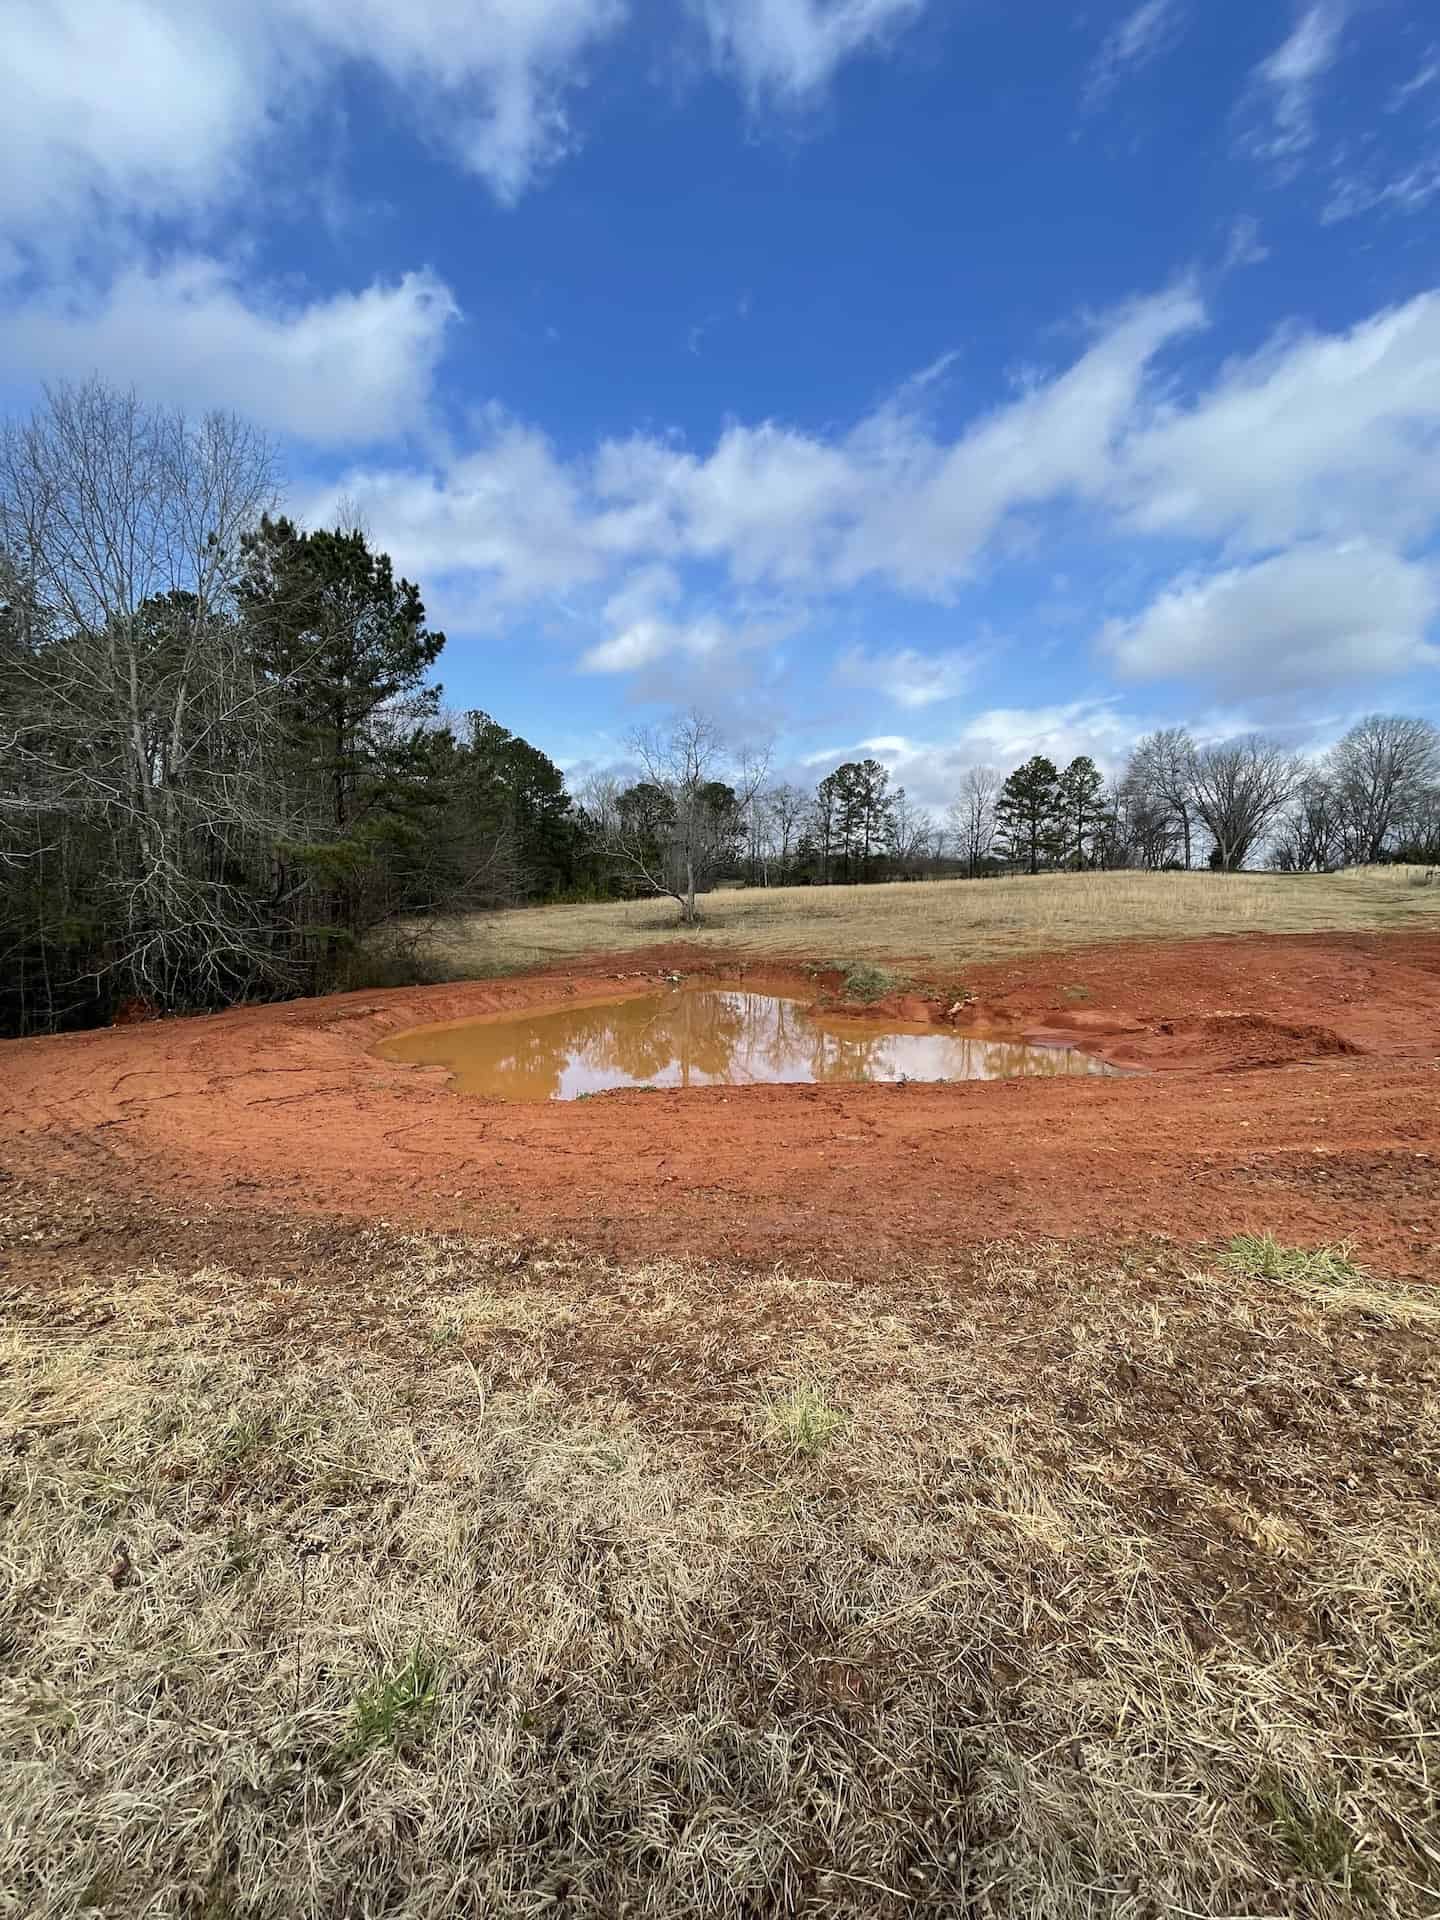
x,y
1261,1256
1316,1838
864,982
1329,1276
802,1421
246,1434
396,1708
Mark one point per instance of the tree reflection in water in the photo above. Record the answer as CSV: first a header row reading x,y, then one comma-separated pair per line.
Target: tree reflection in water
x,y
703,1037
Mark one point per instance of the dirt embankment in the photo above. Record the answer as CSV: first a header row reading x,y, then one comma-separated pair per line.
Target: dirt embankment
x,y
1288,1082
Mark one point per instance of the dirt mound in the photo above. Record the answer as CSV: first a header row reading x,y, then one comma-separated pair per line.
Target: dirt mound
x,y
1334,1134
1232,1042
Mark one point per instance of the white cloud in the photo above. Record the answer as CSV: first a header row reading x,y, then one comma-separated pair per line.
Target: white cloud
x,y
1317,434
1244,247
1310,618
129,101
766,499
497,75
1425,77
1284,84
649,626
171,108
192,333
650,638
1004,736
907,676
1407,192
509,520
774,505
787,51
929,510
160,105
1317,443
1142,36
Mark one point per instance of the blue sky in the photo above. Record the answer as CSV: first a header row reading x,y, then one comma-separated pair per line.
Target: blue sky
x,y
940,378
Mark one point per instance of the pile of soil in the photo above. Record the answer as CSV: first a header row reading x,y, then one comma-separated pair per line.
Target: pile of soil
x,y
1284,1083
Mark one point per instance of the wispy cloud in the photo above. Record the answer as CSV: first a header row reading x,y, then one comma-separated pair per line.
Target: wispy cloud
x,y
1142,36
1425,77
1283,86
1244,247
787,51
1408,192
910,678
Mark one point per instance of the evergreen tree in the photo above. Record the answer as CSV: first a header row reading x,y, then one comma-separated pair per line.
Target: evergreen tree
x,y
857,799
512,793
1030,826
1082,806
347,646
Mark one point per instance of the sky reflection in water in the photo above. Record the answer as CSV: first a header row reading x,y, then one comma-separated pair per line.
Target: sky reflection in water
x,y
702,1037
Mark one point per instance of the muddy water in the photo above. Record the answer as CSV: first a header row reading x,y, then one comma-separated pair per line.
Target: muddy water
x,y
704,1037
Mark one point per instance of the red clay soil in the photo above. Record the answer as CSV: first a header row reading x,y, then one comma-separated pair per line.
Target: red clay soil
x,y
1289,1083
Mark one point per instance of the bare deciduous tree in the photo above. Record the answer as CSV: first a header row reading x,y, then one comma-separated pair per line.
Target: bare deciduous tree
x,y
1378,773
1161,777
972,816
683,820
779,813
137,713
911,834
1238,788
1310,835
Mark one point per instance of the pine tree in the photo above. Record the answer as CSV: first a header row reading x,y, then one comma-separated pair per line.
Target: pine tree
x,y
858,798
347,646
1027,814
515,793
1082,805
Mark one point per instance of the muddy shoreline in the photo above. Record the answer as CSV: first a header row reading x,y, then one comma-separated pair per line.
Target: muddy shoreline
x,y
1289,1083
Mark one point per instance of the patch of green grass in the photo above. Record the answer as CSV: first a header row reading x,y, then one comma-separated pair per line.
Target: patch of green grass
x,y
240,1553
802,1421
396,1708
1316,1838
1328,1276
864,982
1076,994
245,1434
1260,1256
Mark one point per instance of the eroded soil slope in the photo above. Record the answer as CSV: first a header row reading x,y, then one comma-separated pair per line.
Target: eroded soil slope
x,y
1287,1083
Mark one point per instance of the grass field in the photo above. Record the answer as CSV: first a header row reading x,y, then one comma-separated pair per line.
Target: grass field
x,y
372,1573
956,920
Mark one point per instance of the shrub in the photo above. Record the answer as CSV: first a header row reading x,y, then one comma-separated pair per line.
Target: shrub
x,y
864,982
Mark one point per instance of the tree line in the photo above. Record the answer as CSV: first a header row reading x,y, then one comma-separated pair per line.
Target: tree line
x,y
223,761
1176,804
1375,796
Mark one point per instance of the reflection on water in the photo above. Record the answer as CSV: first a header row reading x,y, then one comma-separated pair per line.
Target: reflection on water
x,y
705,1038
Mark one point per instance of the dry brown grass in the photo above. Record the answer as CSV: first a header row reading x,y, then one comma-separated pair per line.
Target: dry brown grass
x,y
956,920
417,1576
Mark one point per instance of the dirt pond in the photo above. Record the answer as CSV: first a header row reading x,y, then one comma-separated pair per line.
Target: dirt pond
x,y
680,1037
1283,1083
